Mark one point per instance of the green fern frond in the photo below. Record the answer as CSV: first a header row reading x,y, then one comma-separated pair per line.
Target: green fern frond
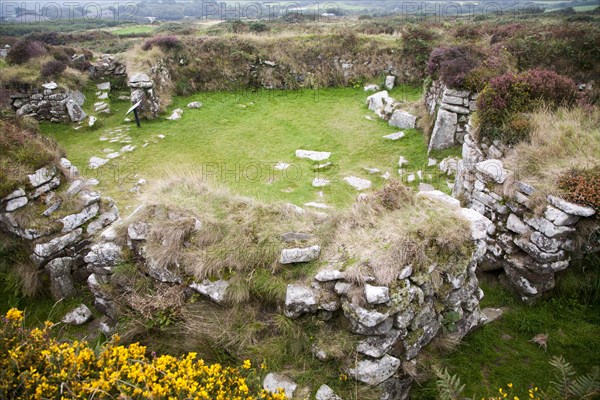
x,y
448,386
586,386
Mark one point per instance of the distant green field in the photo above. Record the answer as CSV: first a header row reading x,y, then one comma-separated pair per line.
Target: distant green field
x,y
236,140
128,30
584,8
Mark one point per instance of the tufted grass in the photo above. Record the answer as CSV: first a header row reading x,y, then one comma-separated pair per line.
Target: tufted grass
x,y
485,362
237,138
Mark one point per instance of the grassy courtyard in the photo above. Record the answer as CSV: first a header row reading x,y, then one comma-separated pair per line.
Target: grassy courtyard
x,y
236,139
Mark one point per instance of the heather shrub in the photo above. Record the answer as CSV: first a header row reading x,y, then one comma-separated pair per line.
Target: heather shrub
x,y
451,64
511,94
582,187
416,44
24,50
164,42
53,68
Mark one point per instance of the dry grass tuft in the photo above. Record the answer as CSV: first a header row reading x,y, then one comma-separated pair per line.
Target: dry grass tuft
x,y
392,229
560,141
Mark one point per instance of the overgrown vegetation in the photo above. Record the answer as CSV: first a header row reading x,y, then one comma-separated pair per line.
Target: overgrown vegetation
x,y
22,151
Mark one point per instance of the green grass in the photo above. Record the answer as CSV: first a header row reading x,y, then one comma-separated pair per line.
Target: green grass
x,y
486,361
133,29
585,8
241,136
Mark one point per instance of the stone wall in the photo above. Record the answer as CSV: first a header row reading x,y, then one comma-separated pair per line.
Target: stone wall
x,y
451,109
51,103
393,322
57,214
529,249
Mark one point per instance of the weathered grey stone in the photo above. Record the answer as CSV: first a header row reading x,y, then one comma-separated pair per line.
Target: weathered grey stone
x,y
75,187
538,254
544,243
88,198
547,227
327,275
459,101
50,85
368,318
78,316
326,393
442,136
161,274
559,217
297,255
273,382
394,136
104,255
403,120
46,187
377,294
457,93
137,231
479,223
397,388
313,155
514,224
491,314
14,195
377,346
96,162
216,291
493,169
50,210
371,88
41,176
404,318
61,281
389,82
140,80
342,287
419,338
319,353
299,299
439,196
16,203
103,220
455,109
103,86
76,113
374,372
570,208
194,104
378,101
358,183
57,244
176,114
73,221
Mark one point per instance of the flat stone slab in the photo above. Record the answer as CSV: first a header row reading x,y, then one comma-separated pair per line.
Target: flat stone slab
x,y
299,255
320,182
314,204
96,162
78,316
403,120
358,183
313,155
394,136
274,381
374,372
216,290
493,169
440,196
280,166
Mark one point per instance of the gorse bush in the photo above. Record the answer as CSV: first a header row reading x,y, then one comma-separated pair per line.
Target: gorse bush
x,y
35,365
511,94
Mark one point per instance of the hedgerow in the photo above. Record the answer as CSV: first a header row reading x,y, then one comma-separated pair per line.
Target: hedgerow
x,y
35,365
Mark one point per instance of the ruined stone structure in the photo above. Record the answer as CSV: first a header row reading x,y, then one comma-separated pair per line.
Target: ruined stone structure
x,y
51,103
60,235
529,248
451,110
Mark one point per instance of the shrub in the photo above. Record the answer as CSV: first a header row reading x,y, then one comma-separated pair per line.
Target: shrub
x,y
33,364
24,50
258,27
582,187
53,68
509,94
164,42
451,64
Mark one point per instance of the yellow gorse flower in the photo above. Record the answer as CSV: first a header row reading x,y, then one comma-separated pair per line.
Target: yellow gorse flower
x,y
37,366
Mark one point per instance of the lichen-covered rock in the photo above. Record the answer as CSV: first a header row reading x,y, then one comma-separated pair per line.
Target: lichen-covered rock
x,y
216,291
45,250
326,393
300,255
403,120
73,221
103,256
299,299
326,275
313,155
378,346
374,372
274,381
78,316
61,281
377,294
444,130
494,169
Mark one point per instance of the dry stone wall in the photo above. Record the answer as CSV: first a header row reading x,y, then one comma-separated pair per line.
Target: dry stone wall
x,y
51,103
451,109
57,214
528,248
